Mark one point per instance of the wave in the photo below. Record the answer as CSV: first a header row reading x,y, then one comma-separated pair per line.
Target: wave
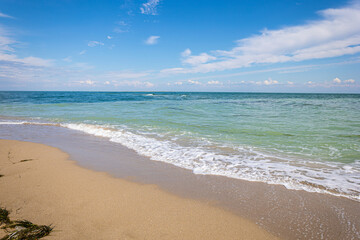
x,y
240,162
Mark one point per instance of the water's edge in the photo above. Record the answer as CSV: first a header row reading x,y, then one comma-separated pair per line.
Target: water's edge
x,y
251,165
287,213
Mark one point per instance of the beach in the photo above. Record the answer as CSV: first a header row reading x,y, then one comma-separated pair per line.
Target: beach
x,y
161,119
83,204
268,159
287,214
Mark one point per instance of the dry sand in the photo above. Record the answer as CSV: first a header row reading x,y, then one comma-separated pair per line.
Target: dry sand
x,y
84,204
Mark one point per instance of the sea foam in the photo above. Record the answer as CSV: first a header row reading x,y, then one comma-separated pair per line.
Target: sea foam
x,y
242,162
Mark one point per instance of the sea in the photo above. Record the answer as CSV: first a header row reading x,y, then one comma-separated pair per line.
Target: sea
x,y
305,142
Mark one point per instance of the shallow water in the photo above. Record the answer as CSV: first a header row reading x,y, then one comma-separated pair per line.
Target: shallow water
x,y
301,141
289,214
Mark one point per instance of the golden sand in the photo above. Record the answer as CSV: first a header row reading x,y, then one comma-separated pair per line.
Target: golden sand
x,y
84,204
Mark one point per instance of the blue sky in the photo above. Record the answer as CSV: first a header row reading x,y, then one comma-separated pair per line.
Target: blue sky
x,y
164,45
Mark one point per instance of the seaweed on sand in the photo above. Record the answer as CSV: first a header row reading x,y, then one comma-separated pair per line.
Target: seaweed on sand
x,y
26,160
25,230
4,216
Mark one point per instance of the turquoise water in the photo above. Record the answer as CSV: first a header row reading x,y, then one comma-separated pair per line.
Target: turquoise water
x,y
302,141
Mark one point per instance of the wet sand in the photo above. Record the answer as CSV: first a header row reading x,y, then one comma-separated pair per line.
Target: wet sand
x,y
83,204
288,214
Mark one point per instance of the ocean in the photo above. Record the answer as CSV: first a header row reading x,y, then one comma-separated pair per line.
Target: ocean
x,y
305,142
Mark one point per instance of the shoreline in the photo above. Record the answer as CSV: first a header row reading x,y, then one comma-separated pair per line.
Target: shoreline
x,y
83,204
304,184
289,214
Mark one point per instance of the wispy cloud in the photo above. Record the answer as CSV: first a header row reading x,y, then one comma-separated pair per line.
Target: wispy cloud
x,y
194,82
213,82
3,15
349,81
121,23
87,82
8,56
82,52
339,81
120,30
186,53
199,59
122,27
125,75
67,59
267,82
152,40
301,68
95,43
150,7
336,80
336,34
136,84
187,58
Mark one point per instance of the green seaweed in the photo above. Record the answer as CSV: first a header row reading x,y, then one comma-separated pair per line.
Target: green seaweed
x,y
26,230
26,160
4,216
22,229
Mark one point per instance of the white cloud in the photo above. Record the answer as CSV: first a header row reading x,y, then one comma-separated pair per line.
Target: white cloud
x,y
134,84
214,82
290,83
35,61
124,75
82,52
6,41
349,81
186,53
150,7
87,82
28,61
107,83
32,72
109,37
95,43
148,84
152,40
121,23
3,15
120,30
267,82
337,33
178,83
67,59
193,82
172,70
337,80
122,27
199,59
82,66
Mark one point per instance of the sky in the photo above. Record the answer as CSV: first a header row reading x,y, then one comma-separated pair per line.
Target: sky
x,y
167,45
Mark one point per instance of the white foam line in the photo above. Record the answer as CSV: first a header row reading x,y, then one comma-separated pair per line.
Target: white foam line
x,y
248,164
11,123
338,179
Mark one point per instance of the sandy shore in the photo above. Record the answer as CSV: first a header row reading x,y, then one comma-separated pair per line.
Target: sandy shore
x,y
83,204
